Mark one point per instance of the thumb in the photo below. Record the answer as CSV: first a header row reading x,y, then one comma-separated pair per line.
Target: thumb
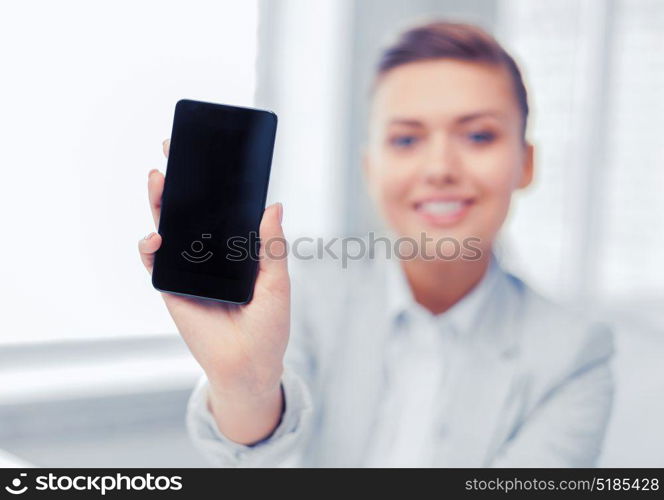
x,y
273,254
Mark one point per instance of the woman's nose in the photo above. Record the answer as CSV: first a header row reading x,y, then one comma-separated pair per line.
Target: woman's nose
x,y
441,165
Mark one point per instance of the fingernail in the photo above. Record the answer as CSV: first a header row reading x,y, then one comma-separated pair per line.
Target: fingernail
x,y
152,171
150,235
281,213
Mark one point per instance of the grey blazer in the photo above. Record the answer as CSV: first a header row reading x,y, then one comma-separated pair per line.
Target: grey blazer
x,y
529,383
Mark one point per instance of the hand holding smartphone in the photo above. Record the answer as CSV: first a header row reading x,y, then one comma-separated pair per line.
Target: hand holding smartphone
x,y
240,347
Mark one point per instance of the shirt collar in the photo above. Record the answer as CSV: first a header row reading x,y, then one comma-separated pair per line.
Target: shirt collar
x,y
461,316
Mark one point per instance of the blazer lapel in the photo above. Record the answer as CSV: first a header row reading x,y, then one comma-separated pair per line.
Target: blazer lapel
x,y
473,416
356,387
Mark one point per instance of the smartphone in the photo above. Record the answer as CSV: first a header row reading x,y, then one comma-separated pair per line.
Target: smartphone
x,y
214,196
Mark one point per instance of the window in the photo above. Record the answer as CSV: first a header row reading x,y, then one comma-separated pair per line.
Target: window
x,y
591,225
88,92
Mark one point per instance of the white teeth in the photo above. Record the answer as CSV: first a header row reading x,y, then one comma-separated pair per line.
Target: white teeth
x,y
441,207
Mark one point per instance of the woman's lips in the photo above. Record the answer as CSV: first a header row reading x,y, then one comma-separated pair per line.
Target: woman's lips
x,y
443,213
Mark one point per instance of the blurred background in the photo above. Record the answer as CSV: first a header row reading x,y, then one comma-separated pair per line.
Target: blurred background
x,y
92,371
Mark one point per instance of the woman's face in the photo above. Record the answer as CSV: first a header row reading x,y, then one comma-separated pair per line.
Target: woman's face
x,y
445,151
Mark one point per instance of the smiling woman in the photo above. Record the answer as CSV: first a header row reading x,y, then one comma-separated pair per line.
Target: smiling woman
x,y
407,361
444,162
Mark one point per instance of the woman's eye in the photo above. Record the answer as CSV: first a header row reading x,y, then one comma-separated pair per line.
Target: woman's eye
x,y
403,141
481,137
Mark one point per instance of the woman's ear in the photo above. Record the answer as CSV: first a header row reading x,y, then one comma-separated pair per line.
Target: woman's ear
x,y
527,171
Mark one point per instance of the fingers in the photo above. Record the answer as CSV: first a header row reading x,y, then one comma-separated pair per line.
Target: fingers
x,y
151,243
155,190
273,267
147,247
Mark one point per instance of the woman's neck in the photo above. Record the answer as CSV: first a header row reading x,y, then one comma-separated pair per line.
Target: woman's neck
x,y
439,284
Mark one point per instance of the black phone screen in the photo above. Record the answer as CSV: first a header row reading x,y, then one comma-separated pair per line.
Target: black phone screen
x,y
213,200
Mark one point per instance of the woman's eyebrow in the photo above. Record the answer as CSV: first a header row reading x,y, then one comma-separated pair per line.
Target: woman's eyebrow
x,y
479,114
407,122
